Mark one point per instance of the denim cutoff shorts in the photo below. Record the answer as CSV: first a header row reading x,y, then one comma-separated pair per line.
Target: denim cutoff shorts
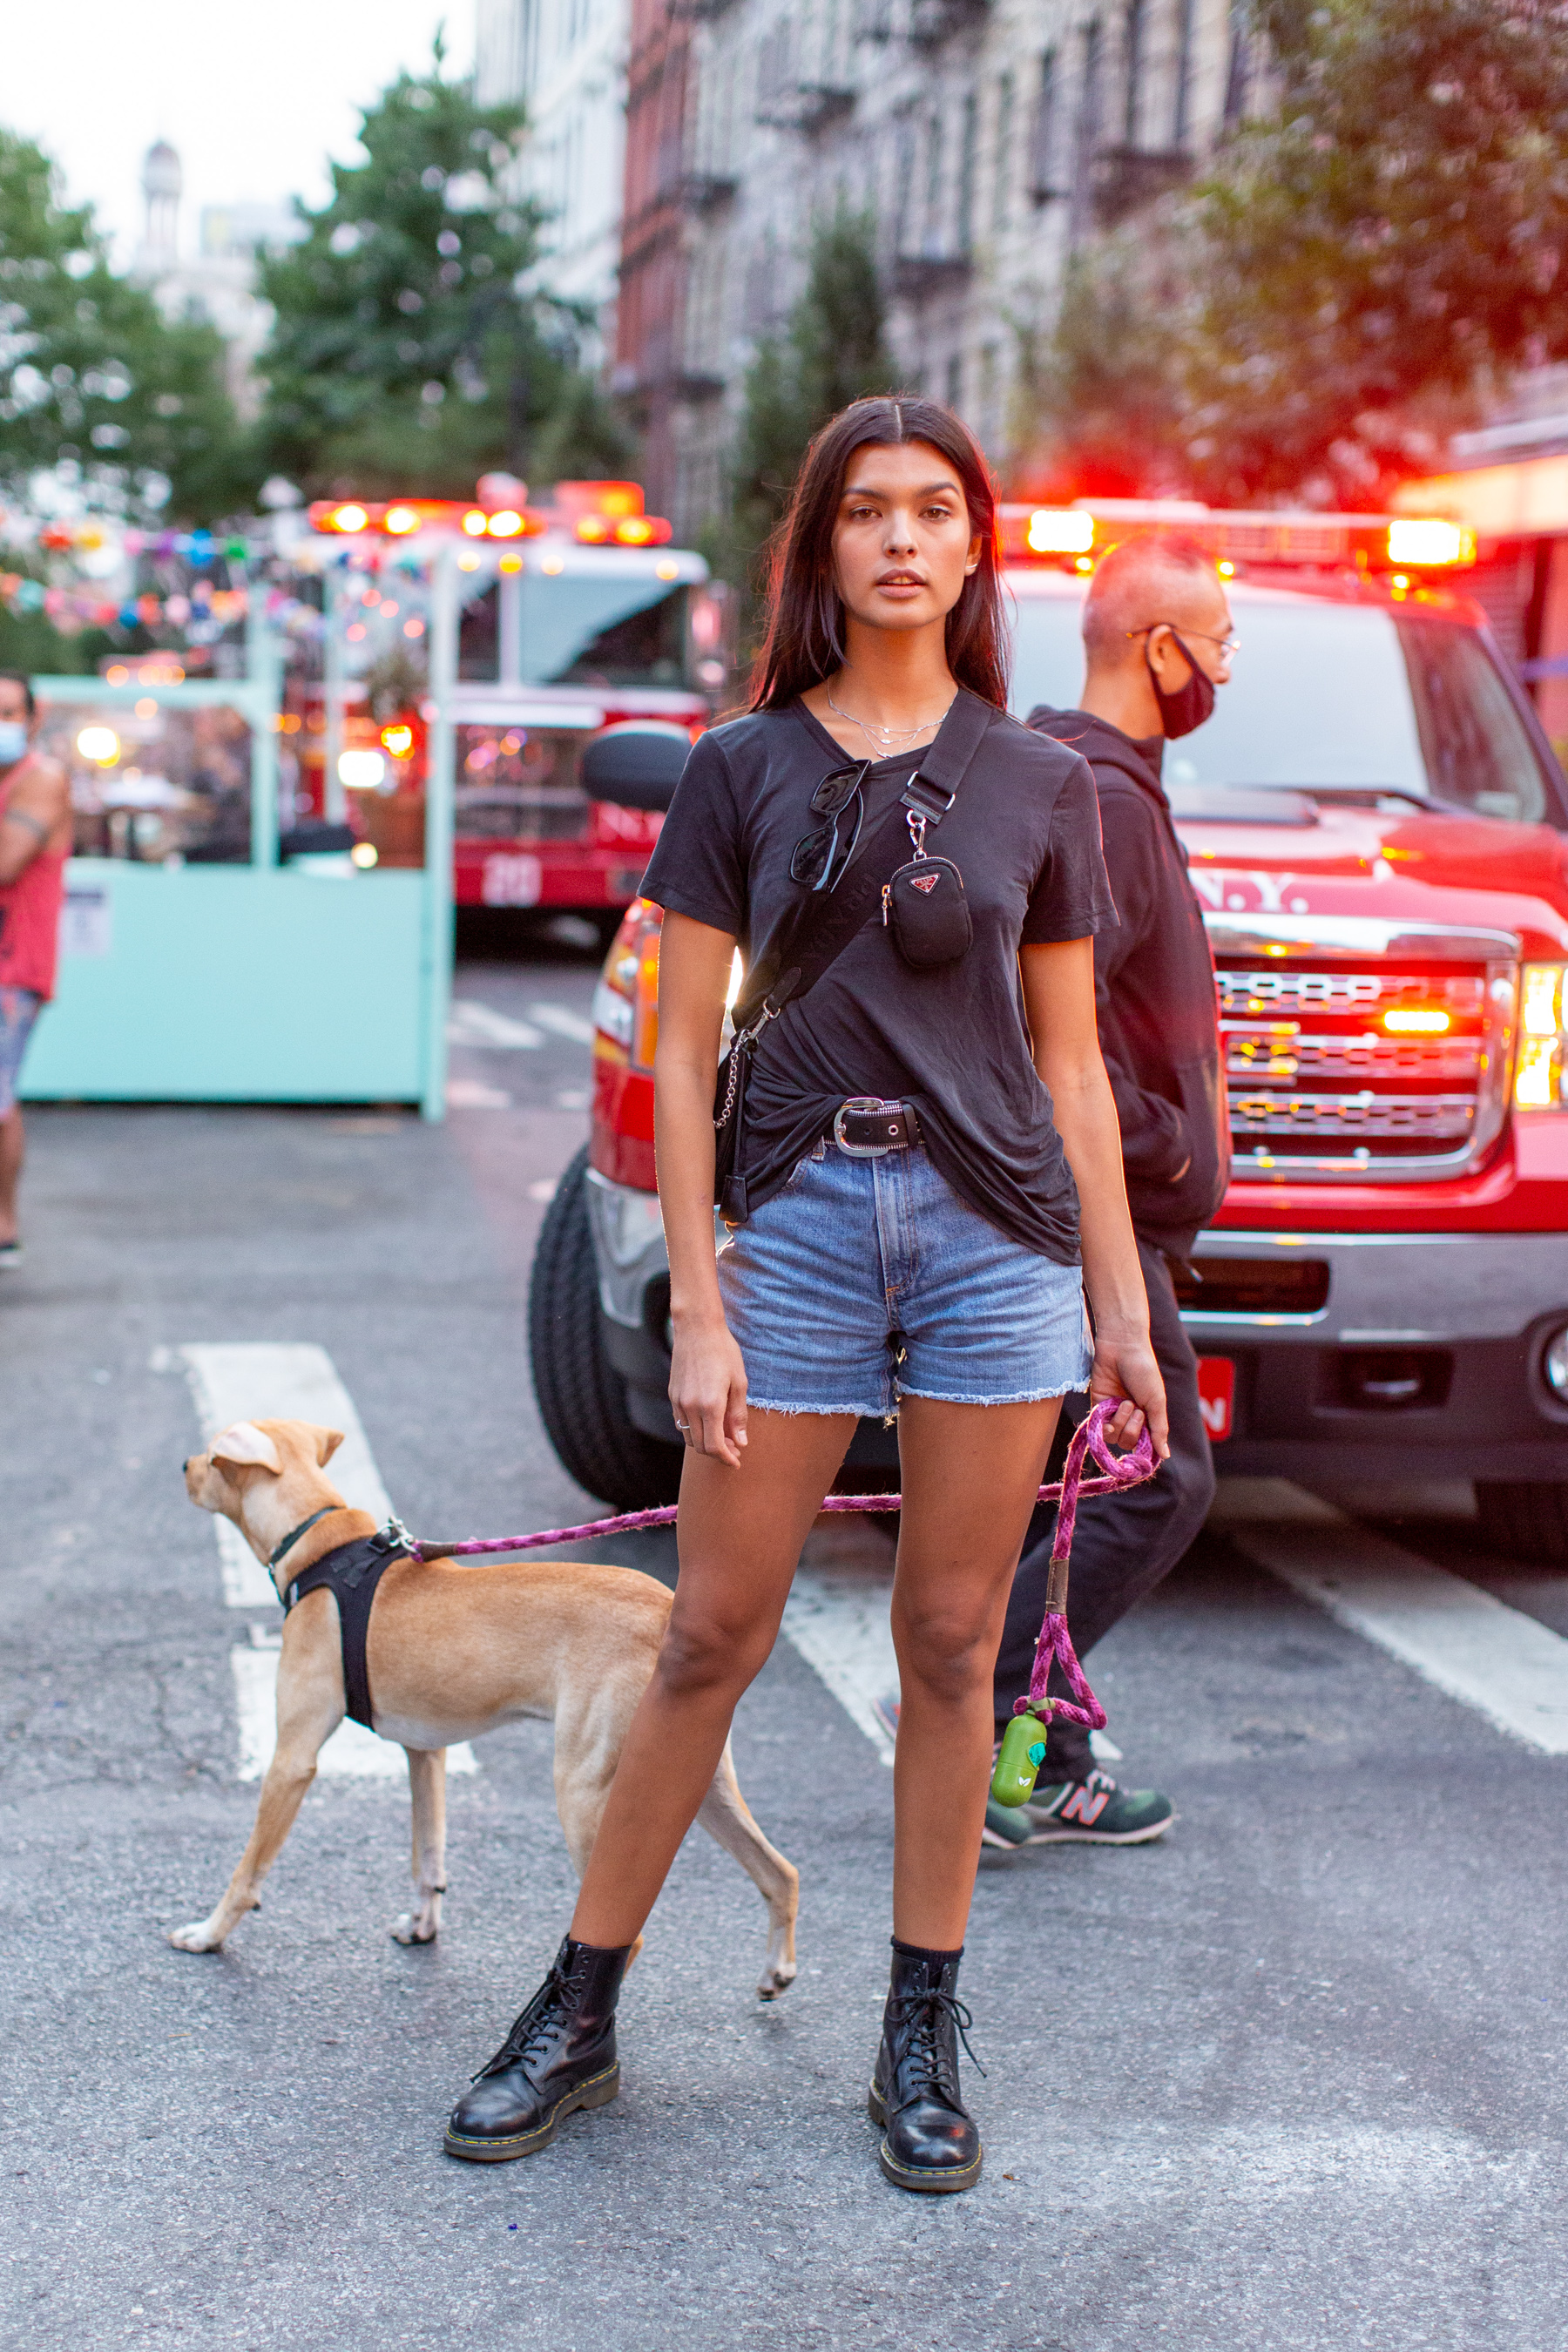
x,y
19,1008
867,1280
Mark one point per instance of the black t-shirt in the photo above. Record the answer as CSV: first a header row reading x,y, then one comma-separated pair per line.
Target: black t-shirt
x,y
1024,832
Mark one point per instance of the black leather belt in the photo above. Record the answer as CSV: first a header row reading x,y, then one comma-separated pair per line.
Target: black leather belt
x,y
866,1127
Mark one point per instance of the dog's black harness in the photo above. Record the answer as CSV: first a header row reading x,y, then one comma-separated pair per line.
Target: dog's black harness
x,y
351,1574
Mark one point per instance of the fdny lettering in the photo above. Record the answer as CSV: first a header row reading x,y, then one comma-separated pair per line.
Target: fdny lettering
x,y
924,882
1227,891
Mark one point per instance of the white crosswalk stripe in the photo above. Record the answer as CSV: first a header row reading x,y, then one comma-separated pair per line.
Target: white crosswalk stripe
x,y
565,1022
1506,1665
297,1381
836,1617
471,1022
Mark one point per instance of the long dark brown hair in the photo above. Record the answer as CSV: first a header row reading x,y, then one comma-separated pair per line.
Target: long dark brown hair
x,y
804,642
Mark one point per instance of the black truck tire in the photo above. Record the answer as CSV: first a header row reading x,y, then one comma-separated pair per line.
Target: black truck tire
x,y
582,1398
1529,1518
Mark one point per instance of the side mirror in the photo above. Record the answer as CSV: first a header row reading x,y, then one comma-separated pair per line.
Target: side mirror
x,y
636,764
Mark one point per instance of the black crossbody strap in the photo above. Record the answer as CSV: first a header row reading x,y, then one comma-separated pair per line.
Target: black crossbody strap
x,y
829,921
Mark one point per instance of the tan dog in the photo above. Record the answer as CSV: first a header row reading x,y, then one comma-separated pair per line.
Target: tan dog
x,y
453,1650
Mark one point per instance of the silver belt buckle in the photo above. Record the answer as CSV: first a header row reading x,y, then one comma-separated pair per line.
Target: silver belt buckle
x,y
865,1103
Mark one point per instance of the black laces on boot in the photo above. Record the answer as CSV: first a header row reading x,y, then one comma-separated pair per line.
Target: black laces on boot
x,y
533,2031
921,2014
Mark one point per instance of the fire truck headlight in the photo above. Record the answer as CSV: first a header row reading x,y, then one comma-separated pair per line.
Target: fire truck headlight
x,y
1538,1075
1554,1363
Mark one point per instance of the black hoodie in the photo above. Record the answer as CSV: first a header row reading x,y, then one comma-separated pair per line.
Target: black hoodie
x,y
1154,993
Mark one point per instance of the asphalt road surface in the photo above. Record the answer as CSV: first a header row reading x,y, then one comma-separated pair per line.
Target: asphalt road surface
x,y
1293,2078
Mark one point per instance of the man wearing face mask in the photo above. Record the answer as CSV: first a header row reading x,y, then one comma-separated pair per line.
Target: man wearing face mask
x,y
1157,643
34,841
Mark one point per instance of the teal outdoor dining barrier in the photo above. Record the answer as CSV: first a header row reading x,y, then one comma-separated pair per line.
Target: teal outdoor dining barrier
x,y
250,980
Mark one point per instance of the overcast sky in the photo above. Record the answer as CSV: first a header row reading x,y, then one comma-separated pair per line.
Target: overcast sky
x,y
255,96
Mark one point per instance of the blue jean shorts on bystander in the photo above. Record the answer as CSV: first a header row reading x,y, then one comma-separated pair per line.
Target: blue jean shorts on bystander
x,y
19,1008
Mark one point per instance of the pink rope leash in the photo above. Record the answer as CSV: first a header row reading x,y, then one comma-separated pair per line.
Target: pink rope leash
x,y
1121,1471
1055,1644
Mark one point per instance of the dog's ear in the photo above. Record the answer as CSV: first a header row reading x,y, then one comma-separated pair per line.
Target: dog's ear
x,y
246,1448
327,1444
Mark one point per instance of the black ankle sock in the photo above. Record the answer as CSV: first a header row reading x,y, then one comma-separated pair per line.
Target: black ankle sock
x,y
920,1952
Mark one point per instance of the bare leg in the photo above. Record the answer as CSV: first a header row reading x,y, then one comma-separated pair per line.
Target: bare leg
x,y
427,1808
13,1147
970,1476
741,1531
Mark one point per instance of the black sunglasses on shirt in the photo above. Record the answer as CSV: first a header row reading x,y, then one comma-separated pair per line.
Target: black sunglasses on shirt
x,y
820,859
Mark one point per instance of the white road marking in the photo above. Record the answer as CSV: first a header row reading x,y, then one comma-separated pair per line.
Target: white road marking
x,y
564,1022
473,1024
544,1188
271,1380
352,1752
1509,1667
467,1094
837,1616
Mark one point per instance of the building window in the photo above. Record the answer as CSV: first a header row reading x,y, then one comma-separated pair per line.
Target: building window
x,y
934,183
1134,46
989,421
966,166
1086,138
1238,79
1181,110
1002,197
1043,134
956,381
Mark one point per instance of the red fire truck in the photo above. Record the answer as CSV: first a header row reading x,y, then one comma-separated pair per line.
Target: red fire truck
x,y
577,615
1378,831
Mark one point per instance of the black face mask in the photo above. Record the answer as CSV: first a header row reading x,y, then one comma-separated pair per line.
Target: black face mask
x,y
1191,704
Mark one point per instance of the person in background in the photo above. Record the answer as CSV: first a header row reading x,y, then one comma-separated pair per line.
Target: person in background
x,y
1157,643
35,842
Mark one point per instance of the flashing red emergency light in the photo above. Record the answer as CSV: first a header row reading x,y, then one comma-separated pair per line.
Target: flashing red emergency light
x,y
1073,537
1419,540
1060,531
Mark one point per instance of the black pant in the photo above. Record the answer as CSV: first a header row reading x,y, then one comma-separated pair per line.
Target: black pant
x,y
1123,1544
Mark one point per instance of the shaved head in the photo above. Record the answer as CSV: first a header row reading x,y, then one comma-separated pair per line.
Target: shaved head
x,y
1145,581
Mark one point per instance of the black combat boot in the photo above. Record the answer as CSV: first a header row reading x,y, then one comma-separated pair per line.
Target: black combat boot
x,y
929,2143
560,2055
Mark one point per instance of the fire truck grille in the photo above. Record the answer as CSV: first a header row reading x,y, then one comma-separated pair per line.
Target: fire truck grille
x,y
1358,1074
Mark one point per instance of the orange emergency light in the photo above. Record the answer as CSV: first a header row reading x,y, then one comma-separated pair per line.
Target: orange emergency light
x,y
597,514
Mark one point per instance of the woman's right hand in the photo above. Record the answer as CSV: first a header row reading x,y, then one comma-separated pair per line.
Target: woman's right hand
x,y
708,1389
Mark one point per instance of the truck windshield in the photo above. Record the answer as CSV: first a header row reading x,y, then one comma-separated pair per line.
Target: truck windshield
x,y
579,629
1329,695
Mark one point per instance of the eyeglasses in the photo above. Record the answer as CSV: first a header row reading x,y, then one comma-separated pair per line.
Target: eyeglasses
x,y
1227,645
821,858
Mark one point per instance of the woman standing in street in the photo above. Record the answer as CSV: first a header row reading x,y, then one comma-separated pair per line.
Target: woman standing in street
x,y
927,1179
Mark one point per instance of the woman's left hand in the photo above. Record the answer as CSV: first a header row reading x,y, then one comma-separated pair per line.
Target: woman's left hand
x,y
1127,1368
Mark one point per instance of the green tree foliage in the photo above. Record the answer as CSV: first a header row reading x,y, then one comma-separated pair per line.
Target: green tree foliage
x,y
411,352
832,351
1366,261
92,377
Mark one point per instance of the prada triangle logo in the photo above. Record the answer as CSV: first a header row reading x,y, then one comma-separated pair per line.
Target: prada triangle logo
x,y
924,882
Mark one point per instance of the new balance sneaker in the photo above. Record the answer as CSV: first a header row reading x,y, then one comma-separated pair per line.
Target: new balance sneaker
x,y
1095,1811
